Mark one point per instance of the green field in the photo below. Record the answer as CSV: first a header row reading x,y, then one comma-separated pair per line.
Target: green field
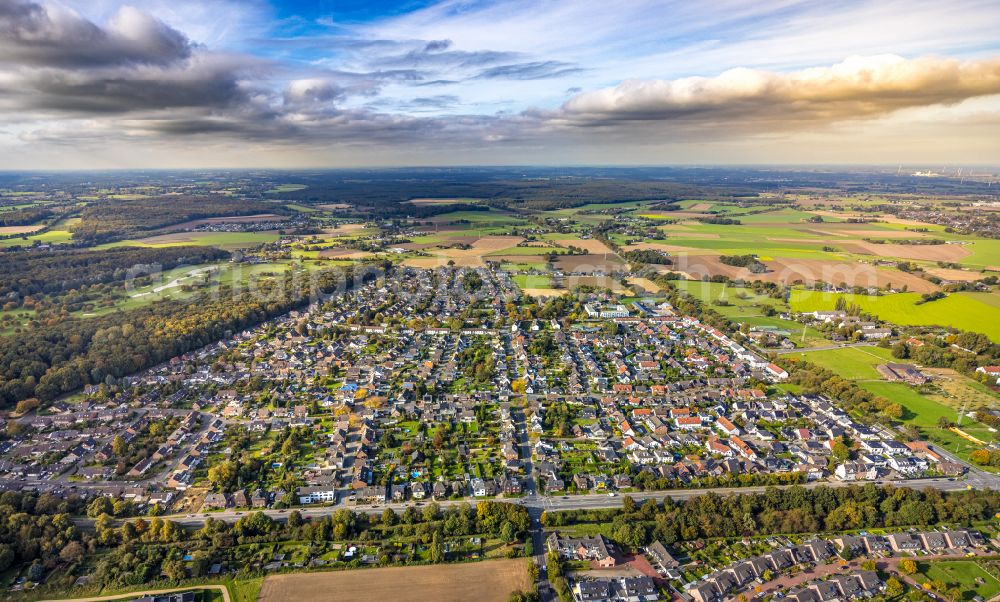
x,y
965,574
855,363
532,281
286,188
223,240
958,310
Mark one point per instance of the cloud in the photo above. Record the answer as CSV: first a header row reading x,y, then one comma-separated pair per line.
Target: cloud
x,y
32,34
859,87
531,70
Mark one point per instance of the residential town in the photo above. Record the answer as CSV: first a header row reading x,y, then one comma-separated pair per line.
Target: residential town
x,y
375,397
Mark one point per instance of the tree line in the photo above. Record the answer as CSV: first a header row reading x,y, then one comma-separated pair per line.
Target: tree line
x,y
115,219
52,272
789,510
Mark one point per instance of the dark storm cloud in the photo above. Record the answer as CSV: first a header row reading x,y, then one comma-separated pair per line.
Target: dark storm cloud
x,y
33,35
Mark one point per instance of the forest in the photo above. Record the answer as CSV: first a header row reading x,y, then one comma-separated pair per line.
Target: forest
x,y
26,216
62,356
54,272
115,219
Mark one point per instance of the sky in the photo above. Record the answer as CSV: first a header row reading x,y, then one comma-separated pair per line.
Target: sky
x,y
100,84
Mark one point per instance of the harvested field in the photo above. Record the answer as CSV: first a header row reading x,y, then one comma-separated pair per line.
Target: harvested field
x,y
700,207
944,252
342,229
834,272
489,581
958,275
591,245
589,263
20,229
787,271
334,206
440,262
338,253
236,219
544,292
647,284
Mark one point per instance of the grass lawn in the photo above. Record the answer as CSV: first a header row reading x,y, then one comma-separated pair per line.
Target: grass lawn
x,y
855,363
966,574
958,310
532,281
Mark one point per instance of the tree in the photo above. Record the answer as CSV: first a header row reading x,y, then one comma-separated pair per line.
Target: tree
x,y
436,553
72,552
840,451
118,446
100,505
174,570
507,532
907,566
893,587
223,475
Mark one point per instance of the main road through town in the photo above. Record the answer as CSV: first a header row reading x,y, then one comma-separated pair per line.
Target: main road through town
x,y
537,503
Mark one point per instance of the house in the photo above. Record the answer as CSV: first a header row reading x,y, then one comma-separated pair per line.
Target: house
x,y
856,471
707,591
992,372
663,560
776,372
240,499
638,589
215,501
904,542
596,549
317,495
598,590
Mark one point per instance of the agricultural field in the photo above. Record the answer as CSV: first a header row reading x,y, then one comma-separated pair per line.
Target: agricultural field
x,y
489,581
959,310
287,188
223,240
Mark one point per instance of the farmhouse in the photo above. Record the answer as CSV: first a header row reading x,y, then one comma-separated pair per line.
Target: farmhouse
x,y
902,373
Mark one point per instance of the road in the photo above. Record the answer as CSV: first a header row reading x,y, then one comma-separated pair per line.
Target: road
x,y
134,595
541,503
824,348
